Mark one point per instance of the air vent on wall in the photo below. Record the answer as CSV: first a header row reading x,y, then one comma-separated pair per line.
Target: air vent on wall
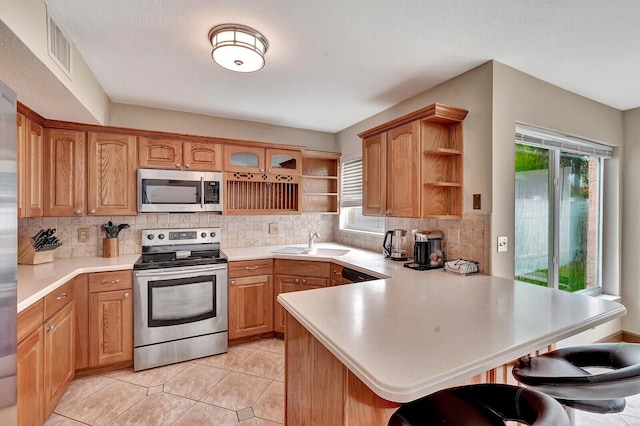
x,y
59,46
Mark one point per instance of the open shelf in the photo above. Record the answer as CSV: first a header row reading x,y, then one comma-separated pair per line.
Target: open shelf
x,y
320,182
443,151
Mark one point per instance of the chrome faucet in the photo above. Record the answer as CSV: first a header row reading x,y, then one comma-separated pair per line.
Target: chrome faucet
x,y
312,236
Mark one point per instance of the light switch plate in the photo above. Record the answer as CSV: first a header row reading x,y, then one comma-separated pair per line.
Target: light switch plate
x,y
502,244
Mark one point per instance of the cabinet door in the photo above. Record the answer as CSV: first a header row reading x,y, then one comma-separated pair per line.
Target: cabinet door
x,y
250,306
159,153
65,173
374,175
283,161
30,164
110,327
59,355
309,283
111,169
284,284
243,159
202,156
31,380
403,184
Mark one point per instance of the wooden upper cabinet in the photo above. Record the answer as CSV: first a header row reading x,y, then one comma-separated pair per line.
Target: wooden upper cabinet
x,y
178,155
251,159
111,170
30,162
248,159
283,161
65,154
412,166
403,171
374,175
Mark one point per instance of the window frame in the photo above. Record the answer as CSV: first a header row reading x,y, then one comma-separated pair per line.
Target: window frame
x,y
350,204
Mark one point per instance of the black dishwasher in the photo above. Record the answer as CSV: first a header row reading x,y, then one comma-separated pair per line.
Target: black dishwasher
x,y
356,276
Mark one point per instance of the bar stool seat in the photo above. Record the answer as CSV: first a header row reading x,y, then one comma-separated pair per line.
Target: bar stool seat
x,y
562,375
482,405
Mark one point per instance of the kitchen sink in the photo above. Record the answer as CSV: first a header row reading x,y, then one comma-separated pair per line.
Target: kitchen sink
x,y
329,252
314,251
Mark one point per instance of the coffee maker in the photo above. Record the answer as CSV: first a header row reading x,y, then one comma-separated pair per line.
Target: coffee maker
x,y
427,251
396,247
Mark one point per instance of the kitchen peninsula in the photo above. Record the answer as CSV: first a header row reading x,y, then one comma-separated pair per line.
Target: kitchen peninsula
x,y
353,353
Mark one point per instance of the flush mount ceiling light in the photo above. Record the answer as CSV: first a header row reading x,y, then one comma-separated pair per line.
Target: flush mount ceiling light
x,y
237,47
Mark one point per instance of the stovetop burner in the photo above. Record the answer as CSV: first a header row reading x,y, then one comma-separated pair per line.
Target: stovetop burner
x,y
172,248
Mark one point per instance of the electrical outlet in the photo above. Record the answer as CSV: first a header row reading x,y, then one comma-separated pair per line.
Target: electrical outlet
x,y
83,235
502,244
477,201
273,228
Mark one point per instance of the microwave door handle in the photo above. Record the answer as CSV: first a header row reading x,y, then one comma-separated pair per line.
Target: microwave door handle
x,y
202,192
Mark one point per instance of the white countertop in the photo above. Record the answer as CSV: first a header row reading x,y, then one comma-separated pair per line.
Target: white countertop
x,y
422,331
36,281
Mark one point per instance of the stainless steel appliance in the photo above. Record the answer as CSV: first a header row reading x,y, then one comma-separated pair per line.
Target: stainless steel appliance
x,y
427,251
179,191
180,297
8,255
396,247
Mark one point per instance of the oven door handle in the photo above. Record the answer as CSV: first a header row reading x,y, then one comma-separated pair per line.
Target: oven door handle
x,y
202,192
156,273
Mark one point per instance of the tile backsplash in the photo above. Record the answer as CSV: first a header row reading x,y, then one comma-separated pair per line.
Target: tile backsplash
x,y
237,231
466,238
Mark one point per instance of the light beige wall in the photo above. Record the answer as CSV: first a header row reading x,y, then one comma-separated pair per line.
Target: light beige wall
x,y
28,20
631,221
518,97
471,91
137,117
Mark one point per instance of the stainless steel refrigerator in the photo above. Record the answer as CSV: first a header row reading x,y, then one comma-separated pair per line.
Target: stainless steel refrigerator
x,y
8,256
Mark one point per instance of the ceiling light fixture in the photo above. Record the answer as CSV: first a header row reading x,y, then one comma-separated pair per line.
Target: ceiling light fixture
x,y
238,47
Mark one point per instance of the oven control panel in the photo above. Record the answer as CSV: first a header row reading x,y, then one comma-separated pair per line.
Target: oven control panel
x,y
165,237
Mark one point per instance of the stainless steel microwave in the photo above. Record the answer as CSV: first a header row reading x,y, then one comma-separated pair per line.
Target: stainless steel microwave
x,y
179,191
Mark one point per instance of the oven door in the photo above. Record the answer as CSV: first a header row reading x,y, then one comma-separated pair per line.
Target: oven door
x,y
178,303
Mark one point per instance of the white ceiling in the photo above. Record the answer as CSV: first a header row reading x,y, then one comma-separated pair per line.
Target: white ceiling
x,y
333,63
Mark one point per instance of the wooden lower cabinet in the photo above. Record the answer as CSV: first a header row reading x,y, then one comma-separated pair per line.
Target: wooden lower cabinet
x,y
59,355
289,283
250,306
31,379
110,327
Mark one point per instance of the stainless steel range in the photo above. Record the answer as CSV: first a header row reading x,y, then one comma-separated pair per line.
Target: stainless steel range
x,y
180,297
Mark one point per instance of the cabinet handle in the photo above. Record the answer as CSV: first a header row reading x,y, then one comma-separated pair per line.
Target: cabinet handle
x,y
233,282
62,296
92,211
78,212
261,170
51,327
381,212
304,281
388,211
251,268
187,165
337,272
126,295
297,280
269,170
178,165
116,281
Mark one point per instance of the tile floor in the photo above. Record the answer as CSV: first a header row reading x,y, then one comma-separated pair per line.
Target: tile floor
x,y
245,386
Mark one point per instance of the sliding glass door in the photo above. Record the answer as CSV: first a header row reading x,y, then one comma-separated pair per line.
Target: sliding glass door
x,y
557,213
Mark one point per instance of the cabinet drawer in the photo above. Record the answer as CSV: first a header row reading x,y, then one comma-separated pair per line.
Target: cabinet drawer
x,y
248,268
107,281
305,268
57,299
30,319
309,283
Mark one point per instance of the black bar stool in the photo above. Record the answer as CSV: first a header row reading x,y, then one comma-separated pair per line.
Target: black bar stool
x,y
560,374
481,405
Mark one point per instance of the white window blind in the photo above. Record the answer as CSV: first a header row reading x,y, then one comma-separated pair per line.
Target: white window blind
x,y
351,183
543,138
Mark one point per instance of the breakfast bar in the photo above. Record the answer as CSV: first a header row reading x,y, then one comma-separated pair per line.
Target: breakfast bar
x,y
355,352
